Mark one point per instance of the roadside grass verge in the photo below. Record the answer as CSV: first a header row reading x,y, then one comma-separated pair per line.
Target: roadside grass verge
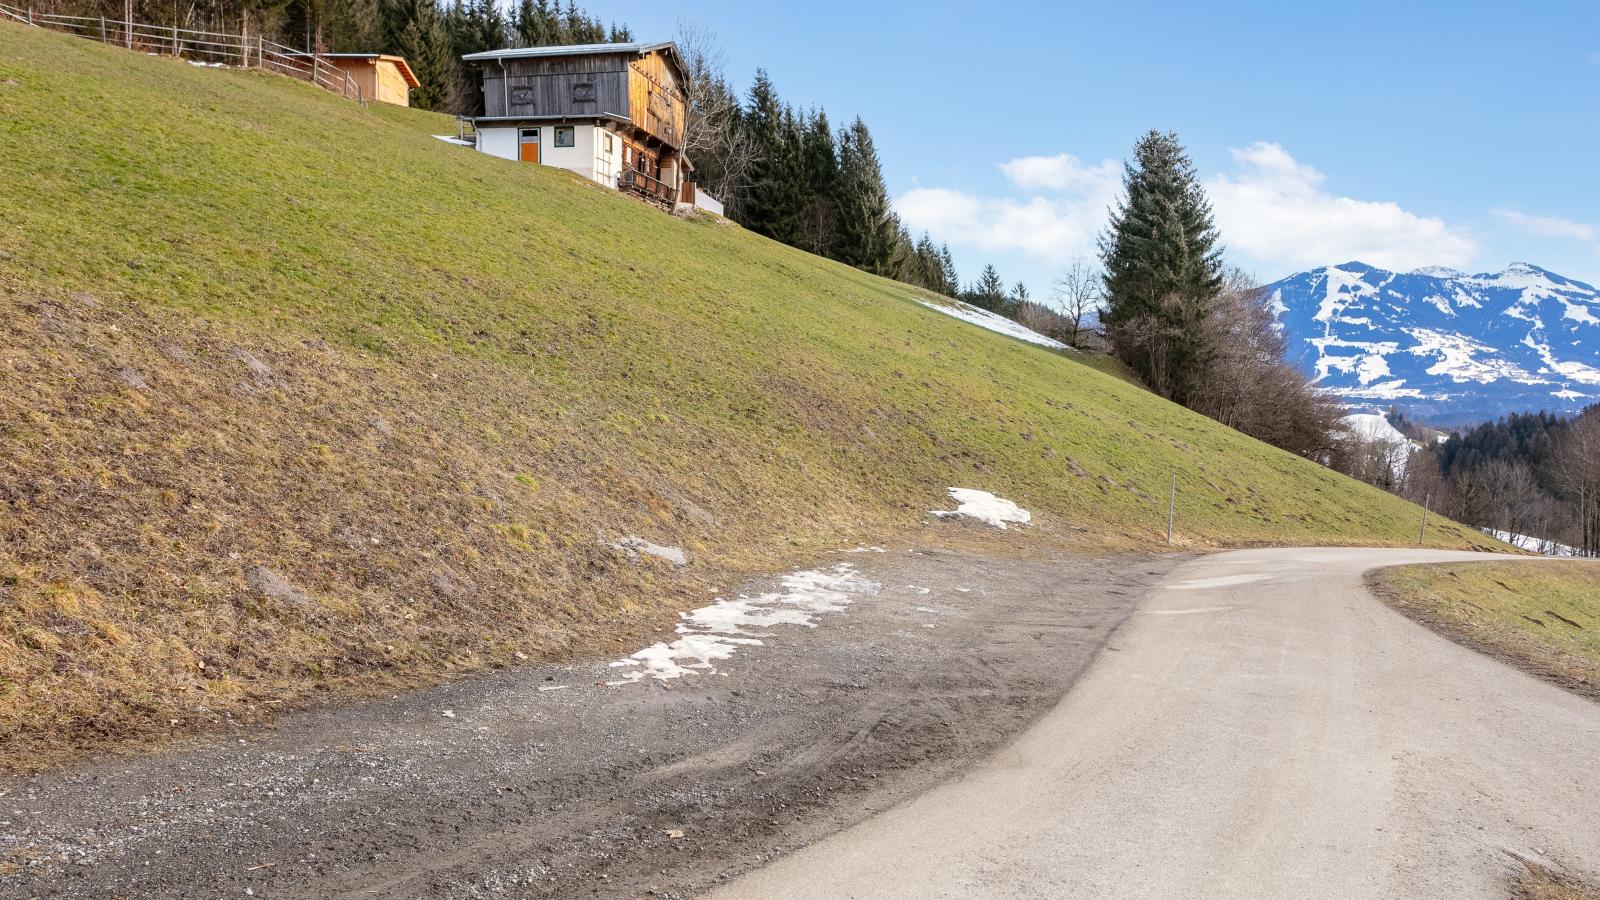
x,y
1536,882
1541,616
298,402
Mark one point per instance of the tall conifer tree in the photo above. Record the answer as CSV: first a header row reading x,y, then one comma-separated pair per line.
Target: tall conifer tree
x,y
817,229
990,291
869,231
1163,267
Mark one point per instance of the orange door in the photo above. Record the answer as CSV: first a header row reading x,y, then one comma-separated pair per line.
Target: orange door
x,y
528,145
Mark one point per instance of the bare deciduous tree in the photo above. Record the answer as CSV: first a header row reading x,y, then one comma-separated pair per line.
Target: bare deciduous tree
x,y
1077,294
1577,469
1248,385
722,153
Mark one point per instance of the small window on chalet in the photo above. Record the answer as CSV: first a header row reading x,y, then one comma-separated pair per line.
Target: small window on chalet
x,y
583,92
566,136
522,96
608,142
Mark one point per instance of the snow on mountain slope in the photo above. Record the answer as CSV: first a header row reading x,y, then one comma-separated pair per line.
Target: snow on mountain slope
x,y
1375,428
1446,345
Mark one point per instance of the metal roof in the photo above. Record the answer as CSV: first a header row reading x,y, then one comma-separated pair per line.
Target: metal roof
x,y
570,50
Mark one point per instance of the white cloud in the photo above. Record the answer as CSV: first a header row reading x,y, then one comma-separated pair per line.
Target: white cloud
x,y
1040,227
1054,228
1276,210
1273,209
1062,172
1550,226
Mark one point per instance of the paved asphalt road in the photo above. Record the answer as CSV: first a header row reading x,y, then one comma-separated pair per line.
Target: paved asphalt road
x,y
1261,727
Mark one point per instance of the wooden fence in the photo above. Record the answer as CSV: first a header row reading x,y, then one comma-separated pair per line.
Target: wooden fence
x,y
205,47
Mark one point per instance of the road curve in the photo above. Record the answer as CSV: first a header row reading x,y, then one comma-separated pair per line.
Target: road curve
x,y
1260,727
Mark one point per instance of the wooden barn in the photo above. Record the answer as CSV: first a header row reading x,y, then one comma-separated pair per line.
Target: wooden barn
x,y
613,113
380,76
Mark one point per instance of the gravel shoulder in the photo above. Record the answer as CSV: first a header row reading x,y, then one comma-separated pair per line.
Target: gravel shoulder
x,y
544,782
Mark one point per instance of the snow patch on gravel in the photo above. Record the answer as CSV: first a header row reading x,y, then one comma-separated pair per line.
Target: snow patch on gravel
x,y
716,632
985,507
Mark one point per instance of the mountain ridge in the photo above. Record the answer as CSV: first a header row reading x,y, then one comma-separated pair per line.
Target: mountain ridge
x,y
1448,346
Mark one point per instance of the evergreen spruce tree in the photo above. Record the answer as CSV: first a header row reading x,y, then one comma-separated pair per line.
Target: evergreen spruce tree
x,y
952,278
902,264
869,232
1163,267
522,24
928,268
1015,302
426,46
764,209
989,292
539,26
817,228
393,17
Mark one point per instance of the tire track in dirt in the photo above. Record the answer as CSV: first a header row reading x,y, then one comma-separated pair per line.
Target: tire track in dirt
x,y
600,791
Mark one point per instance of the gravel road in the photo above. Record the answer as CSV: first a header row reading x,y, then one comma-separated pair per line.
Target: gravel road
x,y
542,782
1261,727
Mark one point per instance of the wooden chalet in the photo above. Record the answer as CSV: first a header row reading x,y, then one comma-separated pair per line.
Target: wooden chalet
x,y
613,113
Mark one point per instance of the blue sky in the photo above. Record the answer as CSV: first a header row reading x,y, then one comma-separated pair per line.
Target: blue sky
x,y
1404,134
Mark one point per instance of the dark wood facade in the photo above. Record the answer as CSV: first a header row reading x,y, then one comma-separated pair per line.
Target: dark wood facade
x,y
639,88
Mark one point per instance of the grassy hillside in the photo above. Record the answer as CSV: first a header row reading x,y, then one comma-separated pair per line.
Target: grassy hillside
x,y
297,398
1540,615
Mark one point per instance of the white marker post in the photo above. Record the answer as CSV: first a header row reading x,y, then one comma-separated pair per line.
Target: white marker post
x,y
1172,505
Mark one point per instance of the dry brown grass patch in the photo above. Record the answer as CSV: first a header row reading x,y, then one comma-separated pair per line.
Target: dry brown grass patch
x,y
1536,882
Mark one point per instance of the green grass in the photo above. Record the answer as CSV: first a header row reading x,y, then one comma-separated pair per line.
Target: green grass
x,y
475,370
1541,615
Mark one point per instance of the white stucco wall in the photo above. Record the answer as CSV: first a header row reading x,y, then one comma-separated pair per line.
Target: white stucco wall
x,y
577,158
501,142
607,164
707,202
587,156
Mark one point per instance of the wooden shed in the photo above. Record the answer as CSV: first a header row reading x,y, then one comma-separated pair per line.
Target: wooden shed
x,y
380,76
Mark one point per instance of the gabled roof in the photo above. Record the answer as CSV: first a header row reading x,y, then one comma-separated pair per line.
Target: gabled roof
x,y
399,62
635,48
572,50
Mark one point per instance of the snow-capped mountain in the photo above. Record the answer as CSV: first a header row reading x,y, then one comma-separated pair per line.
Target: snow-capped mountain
x,y
1442,344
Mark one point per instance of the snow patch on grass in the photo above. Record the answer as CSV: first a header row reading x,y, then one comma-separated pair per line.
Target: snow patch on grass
x,y
716,632
985,507
634,546
999,324
1532,544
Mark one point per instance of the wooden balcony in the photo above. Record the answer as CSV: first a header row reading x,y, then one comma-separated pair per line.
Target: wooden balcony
x,y
654,189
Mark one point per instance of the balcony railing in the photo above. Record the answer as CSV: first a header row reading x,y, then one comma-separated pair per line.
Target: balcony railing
x,y
649,186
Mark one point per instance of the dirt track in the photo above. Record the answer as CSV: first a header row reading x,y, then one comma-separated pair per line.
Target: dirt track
x,y
584,790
